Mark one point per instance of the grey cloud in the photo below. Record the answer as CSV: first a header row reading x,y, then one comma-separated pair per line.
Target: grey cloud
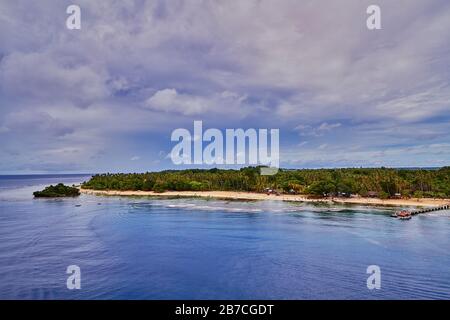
x,y
35,122
38,76
139,68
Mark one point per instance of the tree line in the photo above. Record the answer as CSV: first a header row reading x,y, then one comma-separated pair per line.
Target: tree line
x,y
381,182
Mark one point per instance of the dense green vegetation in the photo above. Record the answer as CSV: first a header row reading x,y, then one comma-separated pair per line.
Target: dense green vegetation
x,y
379,182
59,190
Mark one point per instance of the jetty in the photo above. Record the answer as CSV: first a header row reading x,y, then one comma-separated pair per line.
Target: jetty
x,y
431,209
406,214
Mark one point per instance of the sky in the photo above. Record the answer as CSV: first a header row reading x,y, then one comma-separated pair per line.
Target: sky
x,y
107,97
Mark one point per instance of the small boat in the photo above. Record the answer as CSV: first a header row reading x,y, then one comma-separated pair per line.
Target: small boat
x,y
402,215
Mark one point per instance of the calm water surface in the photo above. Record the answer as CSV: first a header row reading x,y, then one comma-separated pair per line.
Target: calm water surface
x,y
143,248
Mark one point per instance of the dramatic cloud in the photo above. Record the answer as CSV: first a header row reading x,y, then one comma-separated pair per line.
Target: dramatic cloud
x,y
93,99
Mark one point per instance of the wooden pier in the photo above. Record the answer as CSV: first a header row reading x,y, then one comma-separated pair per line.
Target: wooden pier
x,y
425,210
406,215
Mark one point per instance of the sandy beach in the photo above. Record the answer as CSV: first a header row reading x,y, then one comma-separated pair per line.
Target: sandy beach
x,y
425,202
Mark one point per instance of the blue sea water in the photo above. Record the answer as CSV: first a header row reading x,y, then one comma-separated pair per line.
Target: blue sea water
x,y
144,248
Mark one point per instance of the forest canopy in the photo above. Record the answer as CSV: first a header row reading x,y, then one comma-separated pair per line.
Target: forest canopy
x,y
379,182
60,190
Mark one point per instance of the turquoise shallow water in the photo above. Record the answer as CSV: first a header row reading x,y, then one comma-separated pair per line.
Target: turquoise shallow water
x,y
143,248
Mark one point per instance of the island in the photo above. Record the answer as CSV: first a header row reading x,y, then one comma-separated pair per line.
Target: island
x,y
60,190
371,186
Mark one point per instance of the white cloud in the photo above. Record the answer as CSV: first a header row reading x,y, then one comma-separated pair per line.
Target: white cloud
x,y
416,106
325,127
322,129
169,100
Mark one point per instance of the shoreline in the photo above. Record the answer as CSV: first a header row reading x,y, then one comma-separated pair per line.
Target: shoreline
x,y
236,195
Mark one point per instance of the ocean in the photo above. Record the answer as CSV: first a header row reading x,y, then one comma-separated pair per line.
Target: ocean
x,y
147,248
